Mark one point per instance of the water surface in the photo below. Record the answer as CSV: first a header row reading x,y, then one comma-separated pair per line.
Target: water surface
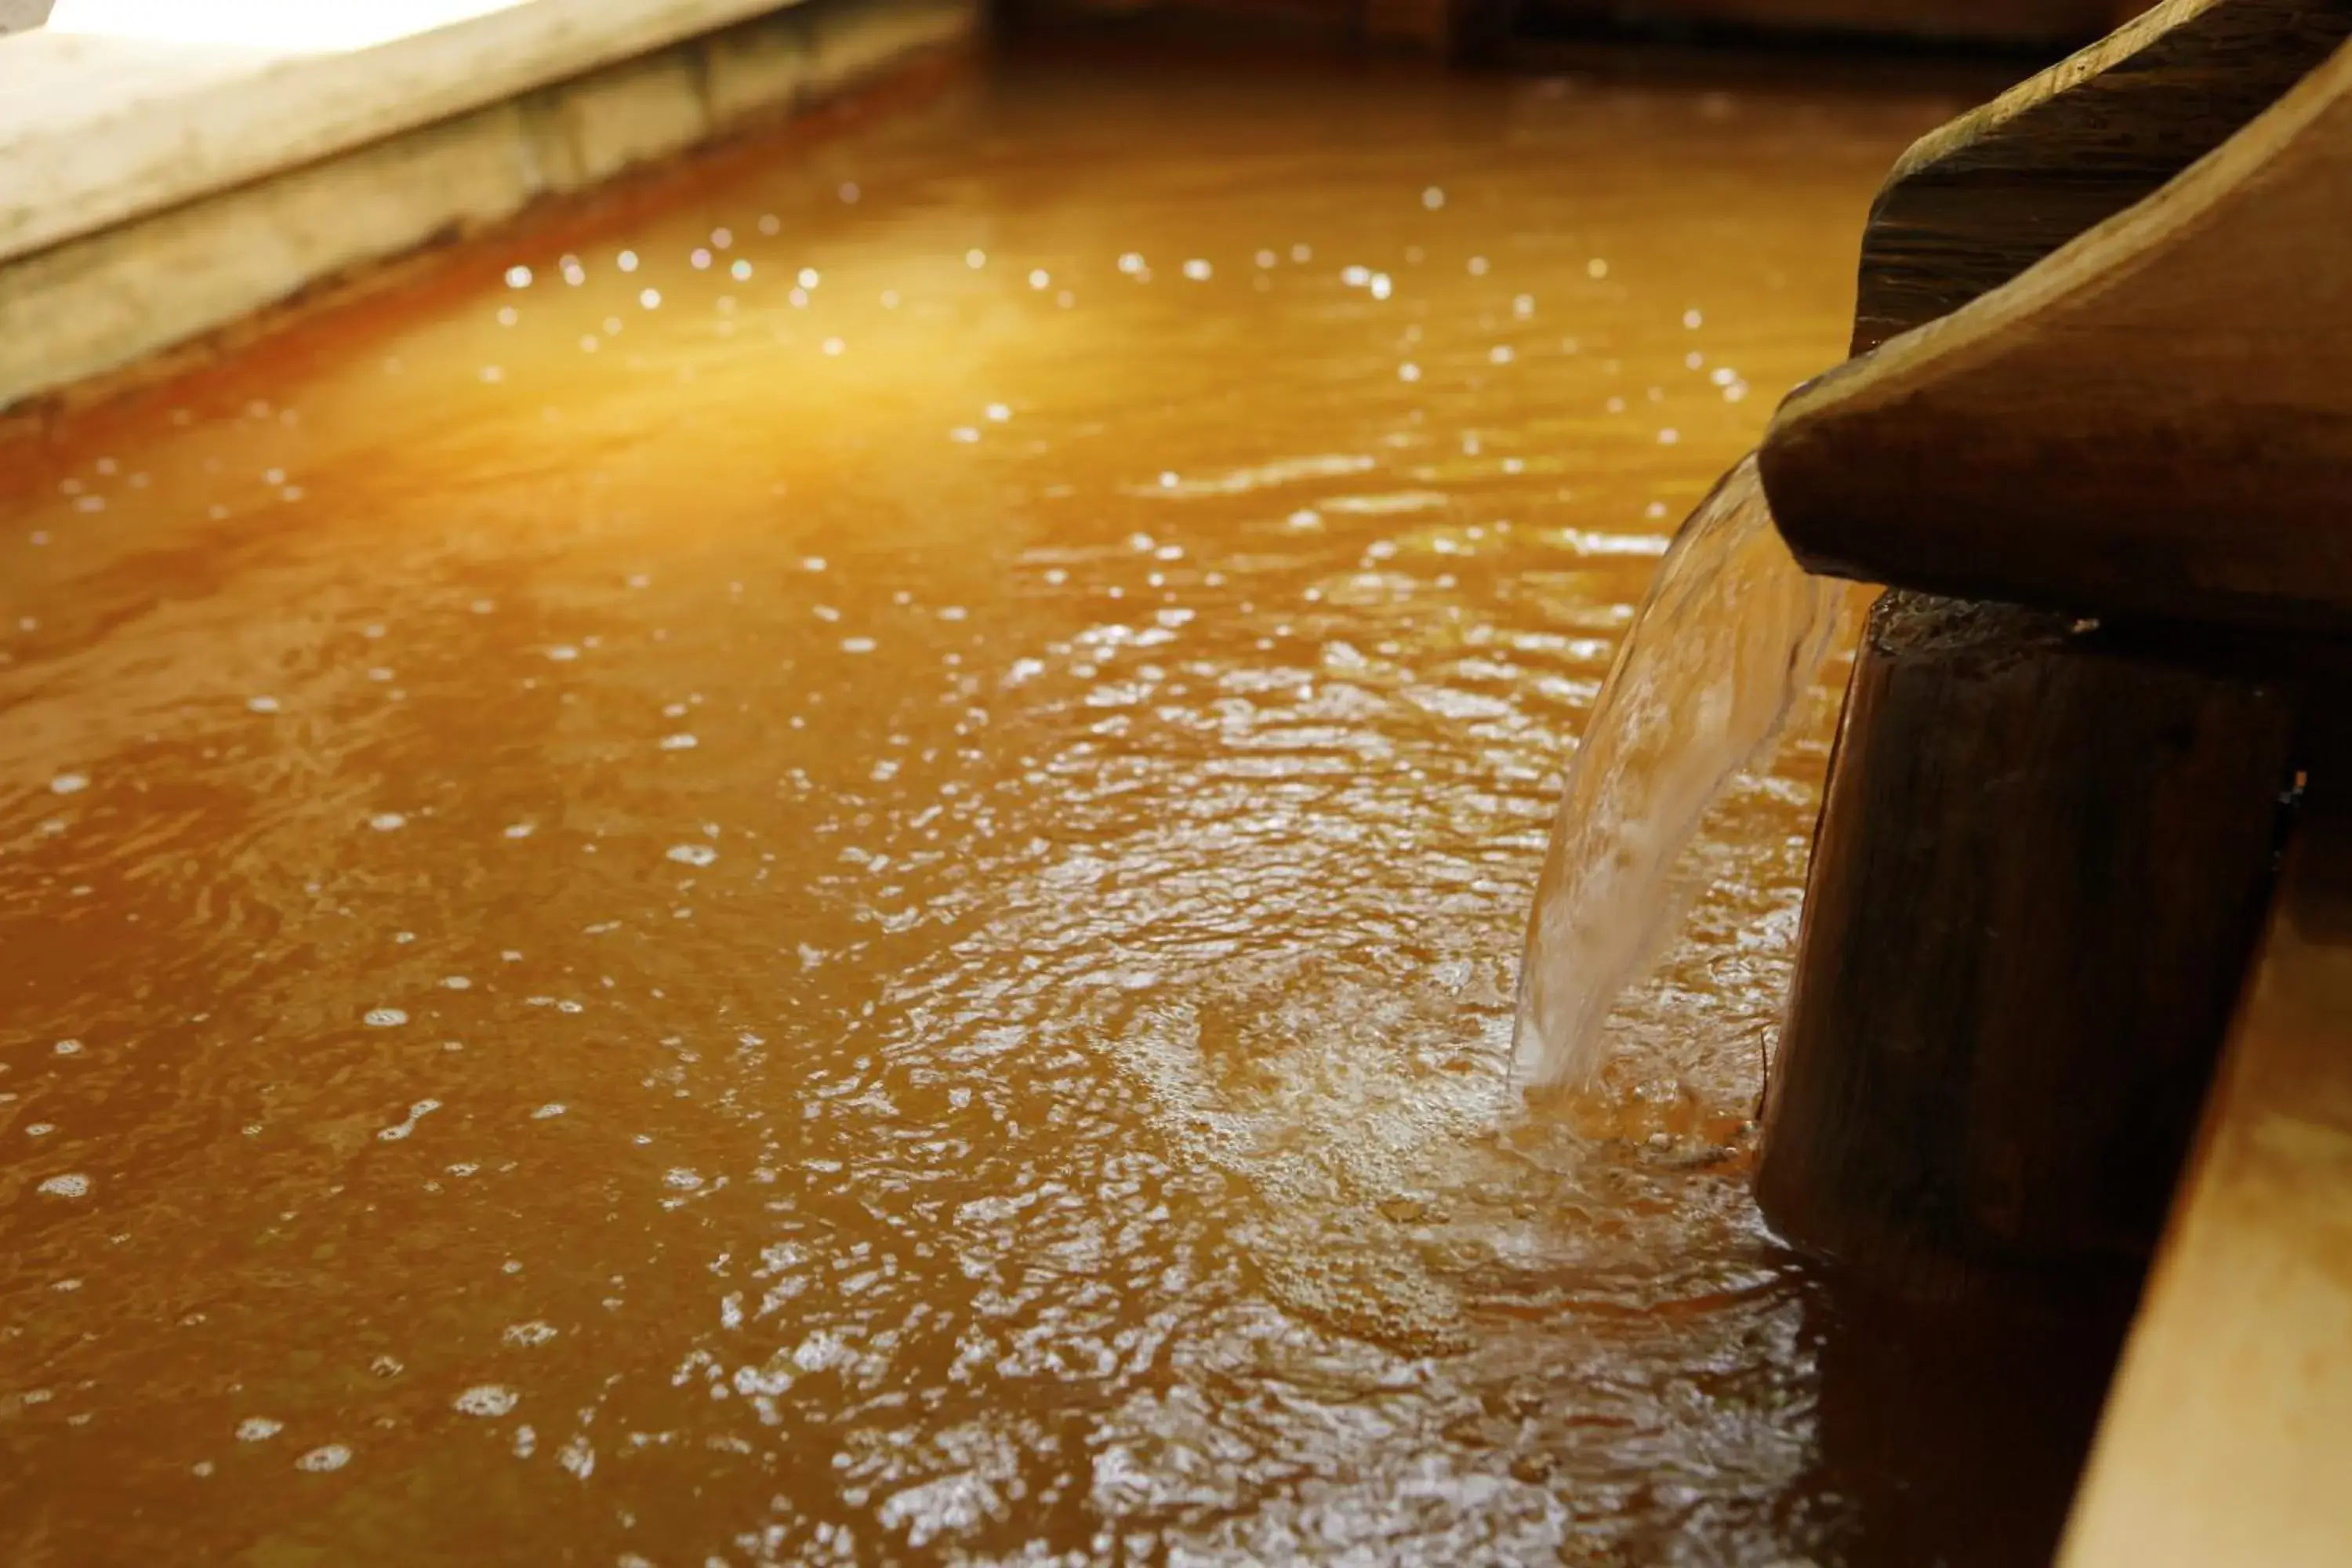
x,y
829,868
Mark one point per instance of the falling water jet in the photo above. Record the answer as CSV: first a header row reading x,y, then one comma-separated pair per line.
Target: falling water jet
x,y
1728,638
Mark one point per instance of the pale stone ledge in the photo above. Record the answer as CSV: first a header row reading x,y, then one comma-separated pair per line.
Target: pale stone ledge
x,y
184,187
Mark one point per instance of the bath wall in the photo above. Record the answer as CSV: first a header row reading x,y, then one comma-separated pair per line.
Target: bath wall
x,y
151,192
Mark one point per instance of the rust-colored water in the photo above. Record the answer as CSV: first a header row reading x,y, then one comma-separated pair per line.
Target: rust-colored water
x,y
684,912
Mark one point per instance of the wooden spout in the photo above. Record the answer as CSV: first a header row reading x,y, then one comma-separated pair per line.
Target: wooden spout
x,y
2154,418
1978,201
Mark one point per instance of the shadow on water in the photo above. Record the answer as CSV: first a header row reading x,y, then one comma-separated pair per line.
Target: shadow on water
x,y
1949,1439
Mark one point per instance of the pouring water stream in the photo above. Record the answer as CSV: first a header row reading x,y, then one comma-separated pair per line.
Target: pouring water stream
x,y
1730,636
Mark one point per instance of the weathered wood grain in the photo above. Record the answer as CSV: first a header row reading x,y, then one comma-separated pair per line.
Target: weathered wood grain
x,y
1979,200
2041,866
2157,418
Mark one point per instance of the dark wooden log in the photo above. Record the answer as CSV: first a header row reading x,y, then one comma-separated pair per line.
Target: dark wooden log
x,y
2041,866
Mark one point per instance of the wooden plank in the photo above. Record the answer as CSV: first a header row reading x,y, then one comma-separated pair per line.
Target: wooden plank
x,y
2015,971
2157,418
99,127
2226,1438
1979,200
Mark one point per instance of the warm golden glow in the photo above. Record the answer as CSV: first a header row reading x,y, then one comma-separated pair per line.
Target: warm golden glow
x,y
292,26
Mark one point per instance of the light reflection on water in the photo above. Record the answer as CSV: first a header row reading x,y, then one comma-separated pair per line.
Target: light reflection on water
x,y
774,893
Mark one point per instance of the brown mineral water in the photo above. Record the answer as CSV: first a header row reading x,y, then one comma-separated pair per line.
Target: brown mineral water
x,y
822,866
1725,647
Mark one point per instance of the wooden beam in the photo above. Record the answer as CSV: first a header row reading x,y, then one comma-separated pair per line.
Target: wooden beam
x,y
2226,1439
2042,863
2157,418
1979,200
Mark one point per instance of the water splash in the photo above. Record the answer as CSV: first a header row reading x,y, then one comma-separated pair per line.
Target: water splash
x,y
1731,634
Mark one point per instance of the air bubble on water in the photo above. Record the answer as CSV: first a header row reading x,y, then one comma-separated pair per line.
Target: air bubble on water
x,y
1432,198
262,704
858,645
258,1429
1197,270
692,854
326,1456
534,1332
385,1017
486,1399
387,820
682,1178
1408,372
551,1109
998,412
678,742
68,783
73,1185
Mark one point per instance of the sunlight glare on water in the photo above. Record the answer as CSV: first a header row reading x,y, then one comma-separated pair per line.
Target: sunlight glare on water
x,y
822,864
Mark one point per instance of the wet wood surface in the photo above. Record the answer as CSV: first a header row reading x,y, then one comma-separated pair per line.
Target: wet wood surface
x,y
2226,1438
2040,867
2156,419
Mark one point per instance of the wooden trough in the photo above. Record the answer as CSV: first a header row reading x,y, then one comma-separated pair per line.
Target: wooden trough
x,y
2097,434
